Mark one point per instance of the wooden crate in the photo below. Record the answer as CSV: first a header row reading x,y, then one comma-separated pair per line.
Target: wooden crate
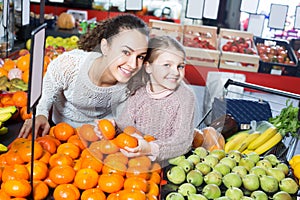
x,y
197,54
208,33
236,60
202,57
158,28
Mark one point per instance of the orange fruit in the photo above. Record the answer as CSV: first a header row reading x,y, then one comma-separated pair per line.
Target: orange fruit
x,y
17,171
7,100
3,195
131,130
93,194
40,190
81,143
114,167
153,188
13,157
9,64
135,183
47,143
108,146
143,161
60,159
92,163
151,197
95,150
156,167
17,188
132,195
123,140
138,171
149,138
3,72
86,178
45,157
23,62
62,174
116,157
69,149
25,76
62,131
155,177
113,196
23,113
106,128
86,131
50,183
20,98
66,191
110,183
25,151
40,170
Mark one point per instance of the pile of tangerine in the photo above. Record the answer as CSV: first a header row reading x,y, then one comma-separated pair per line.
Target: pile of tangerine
x,y
73,163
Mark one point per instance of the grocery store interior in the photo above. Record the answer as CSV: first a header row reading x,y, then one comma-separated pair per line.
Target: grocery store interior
x,y
253,43
253,18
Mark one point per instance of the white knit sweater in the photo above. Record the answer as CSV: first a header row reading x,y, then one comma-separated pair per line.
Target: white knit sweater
x,y
170,119
75,99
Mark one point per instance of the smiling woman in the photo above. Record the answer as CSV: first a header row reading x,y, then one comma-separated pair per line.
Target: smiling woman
x,y
87,83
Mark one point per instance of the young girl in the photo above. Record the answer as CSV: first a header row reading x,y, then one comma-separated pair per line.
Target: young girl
x,y
164,107
82,85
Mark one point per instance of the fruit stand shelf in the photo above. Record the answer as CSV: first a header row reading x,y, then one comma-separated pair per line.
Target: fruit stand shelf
x,y
197,75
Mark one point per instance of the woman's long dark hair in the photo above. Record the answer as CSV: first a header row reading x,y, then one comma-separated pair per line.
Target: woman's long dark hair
x,y
107,28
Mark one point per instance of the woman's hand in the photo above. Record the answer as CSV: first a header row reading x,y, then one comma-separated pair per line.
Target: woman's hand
x,y
42,127
143,148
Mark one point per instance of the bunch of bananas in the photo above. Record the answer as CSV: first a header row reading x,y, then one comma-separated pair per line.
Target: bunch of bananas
x,y
254,141
5,114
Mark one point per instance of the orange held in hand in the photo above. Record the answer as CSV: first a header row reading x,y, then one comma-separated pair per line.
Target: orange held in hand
x,y
123,140
107,129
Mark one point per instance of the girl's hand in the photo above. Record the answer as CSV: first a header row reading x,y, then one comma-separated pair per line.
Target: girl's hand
x,y
143,148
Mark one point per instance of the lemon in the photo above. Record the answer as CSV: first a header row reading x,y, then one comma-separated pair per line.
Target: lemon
x,y
296,170
28,44
294,160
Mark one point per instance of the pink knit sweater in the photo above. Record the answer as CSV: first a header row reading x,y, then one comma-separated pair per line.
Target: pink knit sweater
x,y
169,119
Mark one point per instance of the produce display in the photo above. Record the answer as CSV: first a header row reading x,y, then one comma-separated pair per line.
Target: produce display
x,y
73,163
238,51
203,174
274,53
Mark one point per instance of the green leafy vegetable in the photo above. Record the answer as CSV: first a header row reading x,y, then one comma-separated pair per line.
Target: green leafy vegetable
x,y
287,121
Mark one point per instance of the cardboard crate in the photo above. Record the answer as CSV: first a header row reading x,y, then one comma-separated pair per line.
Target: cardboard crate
x,y
196,39
158,28
275,67
236,60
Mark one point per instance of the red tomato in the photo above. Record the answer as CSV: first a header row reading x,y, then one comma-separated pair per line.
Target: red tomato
x,y
226,47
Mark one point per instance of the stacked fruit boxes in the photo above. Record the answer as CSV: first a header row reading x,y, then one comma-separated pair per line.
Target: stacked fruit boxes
x,y
158,28
238,51
201,45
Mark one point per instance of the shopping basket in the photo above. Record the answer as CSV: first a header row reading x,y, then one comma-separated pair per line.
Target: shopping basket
x,y
283,150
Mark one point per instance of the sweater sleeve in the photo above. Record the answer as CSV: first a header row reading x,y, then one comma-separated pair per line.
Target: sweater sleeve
x,y
180,141
59,72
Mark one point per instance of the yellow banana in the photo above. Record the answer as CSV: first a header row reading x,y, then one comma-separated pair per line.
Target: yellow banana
x,y
269,144
230,145
264,137
244,144
246,151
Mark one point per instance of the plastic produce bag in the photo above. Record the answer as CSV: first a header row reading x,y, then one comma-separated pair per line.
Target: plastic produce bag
x,y
212,139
